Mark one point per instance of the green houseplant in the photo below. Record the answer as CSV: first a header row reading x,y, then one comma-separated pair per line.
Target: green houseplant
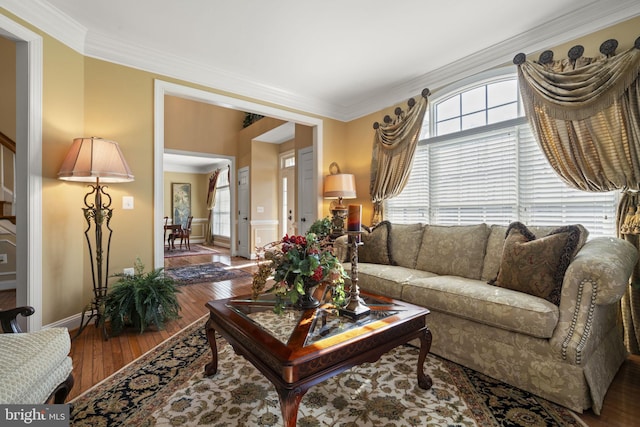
x,y
141,300
297,264
321,228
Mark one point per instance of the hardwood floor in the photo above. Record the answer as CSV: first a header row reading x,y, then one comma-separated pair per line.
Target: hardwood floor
x,y
94,359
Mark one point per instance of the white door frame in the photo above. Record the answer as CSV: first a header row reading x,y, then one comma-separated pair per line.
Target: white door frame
x,y
162,88
28,167
243,249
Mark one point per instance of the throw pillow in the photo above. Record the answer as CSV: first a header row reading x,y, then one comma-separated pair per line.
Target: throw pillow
x,y
537,265
456,250
405,241
376,245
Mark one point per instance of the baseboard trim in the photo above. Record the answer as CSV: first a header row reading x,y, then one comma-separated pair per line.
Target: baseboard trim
x,y
71,323
7,285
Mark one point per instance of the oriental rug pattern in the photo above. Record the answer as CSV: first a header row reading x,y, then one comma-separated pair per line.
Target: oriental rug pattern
x,y
195,250
166,387
201,273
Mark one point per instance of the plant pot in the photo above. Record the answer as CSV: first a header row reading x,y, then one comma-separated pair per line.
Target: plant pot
x,y
307,300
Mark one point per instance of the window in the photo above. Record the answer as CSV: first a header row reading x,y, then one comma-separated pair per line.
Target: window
x,y
222,208
483,164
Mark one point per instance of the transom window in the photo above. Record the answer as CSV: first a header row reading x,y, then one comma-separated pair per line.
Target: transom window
x,y
483,164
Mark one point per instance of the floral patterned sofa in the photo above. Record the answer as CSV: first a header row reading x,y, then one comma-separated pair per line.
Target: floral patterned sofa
x,y
536,308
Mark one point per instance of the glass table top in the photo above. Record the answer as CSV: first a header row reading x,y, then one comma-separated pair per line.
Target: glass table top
x,y
320,323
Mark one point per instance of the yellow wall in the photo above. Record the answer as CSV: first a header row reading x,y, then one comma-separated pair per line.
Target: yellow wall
x,y
8,88
83,96
199,188
66,286
200,127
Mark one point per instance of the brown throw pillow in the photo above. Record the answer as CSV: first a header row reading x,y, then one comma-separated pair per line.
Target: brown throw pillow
x,y
376,245
537,265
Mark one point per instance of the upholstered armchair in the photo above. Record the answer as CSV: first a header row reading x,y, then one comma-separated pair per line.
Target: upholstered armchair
x,y
35,367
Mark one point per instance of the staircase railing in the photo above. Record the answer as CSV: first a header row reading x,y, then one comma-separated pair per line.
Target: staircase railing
x,y
10,144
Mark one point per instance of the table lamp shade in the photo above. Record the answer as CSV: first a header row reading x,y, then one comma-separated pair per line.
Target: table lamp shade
x,y
340,186
95,158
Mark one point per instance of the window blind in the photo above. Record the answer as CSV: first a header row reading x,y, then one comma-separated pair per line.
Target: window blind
x,y
496,176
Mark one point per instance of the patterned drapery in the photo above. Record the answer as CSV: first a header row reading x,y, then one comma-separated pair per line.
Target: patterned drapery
x,y
585,113
394,146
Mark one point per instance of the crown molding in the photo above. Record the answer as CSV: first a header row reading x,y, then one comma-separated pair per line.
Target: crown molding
x,y
47,18
106,48
592,17
587,20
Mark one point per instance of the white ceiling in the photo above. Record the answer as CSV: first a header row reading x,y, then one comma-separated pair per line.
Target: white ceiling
x,y
188,163
339,59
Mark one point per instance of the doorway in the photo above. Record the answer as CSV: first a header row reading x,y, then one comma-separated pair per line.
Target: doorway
x,y
162,88
28,168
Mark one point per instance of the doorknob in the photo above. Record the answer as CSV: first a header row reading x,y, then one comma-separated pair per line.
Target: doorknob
x,y
245,218
303,219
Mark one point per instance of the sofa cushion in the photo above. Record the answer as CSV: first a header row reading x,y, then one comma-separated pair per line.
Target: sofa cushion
x,y
453,250
493,255
536,266
405,242
385,280
33,364
495,243
478,301
375,245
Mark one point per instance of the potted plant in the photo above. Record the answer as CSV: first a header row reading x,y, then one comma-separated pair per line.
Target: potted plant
x,y
141,300
321,228
298,265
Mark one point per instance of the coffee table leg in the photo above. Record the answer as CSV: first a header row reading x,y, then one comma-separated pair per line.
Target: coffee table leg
x,y
424,380
289,403
212,367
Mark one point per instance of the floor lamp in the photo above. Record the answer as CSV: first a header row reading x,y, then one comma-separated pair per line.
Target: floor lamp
x,y
97,161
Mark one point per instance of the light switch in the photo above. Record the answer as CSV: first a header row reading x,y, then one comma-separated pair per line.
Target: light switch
x,y
127,202
260,209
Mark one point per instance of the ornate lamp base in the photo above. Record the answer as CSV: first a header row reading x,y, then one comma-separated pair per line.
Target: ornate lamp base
x,y
355,307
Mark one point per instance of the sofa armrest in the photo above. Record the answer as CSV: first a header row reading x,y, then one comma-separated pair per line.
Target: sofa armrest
x,y
8,318
595,281
606,261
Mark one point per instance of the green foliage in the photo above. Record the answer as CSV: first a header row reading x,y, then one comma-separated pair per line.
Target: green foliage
x,y
297,263
141,300
321,228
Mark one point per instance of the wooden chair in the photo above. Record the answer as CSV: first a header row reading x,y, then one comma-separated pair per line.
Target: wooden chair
x,y
185,233
35,367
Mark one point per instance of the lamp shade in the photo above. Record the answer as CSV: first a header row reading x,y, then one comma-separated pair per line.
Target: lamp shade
x,y
93,158
340,185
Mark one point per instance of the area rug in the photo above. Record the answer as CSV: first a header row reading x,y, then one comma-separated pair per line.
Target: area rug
x,y
167,387
195,250
200,273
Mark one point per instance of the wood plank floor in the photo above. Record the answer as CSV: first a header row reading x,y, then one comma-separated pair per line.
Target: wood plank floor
x,y
94,359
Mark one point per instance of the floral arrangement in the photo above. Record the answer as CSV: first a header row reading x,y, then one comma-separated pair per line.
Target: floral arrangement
x,y
298,264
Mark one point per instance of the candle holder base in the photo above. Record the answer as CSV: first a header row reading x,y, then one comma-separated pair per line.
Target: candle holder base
x,y
355,309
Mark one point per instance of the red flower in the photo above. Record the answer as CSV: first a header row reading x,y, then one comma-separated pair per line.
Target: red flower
x,y
317,274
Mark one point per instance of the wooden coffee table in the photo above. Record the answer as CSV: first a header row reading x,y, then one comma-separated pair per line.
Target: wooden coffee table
x,y
301,348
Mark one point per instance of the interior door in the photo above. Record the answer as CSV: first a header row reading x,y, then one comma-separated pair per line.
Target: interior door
x,y
243,212
288,224
306,190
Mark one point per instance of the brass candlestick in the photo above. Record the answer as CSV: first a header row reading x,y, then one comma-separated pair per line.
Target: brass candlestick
x,y
355,307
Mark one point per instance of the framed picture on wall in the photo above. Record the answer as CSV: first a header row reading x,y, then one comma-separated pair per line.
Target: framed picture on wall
x,y
181,202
